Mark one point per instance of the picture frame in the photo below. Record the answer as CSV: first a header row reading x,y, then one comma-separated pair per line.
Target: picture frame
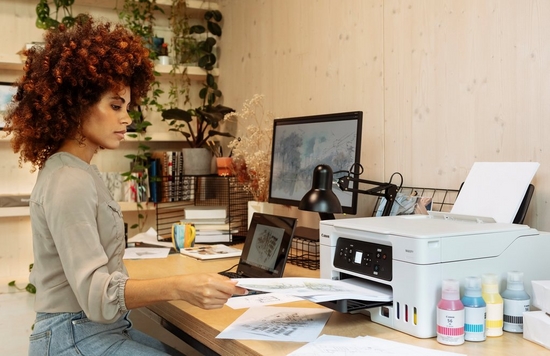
x,y
7,91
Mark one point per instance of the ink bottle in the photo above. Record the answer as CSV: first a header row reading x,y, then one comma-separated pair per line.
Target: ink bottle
x,y
495,306
450,314
516,302
475,310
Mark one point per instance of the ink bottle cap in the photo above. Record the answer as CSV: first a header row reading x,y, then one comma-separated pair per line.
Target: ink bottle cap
x,y
515,280
472,287
450,289
490,283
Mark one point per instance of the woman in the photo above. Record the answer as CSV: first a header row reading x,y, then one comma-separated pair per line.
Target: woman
x,y
72,101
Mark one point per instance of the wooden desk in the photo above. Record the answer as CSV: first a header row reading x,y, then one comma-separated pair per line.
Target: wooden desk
x,y
204,325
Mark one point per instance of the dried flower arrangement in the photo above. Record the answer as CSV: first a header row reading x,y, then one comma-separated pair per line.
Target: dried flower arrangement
x,y
251,151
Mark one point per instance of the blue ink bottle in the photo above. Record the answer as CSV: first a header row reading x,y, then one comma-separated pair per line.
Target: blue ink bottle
x,y
475,310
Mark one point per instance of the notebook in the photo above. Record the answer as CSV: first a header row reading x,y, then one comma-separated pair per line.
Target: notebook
x,y
266,247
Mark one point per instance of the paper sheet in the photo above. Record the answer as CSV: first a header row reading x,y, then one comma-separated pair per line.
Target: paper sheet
x,y
278,324
366,345
318,289
142,253
495,189
149,237
256,300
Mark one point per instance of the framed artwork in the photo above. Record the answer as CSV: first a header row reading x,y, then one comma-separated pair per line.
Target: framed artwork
x,y
7,91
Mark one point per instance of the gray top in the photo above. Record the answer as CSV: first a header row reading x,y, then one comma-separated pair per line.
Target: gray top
x,y
78,241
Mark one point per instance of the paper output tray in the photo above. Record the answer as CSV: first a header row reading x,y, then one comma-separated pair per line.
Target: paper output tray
x,y
352,305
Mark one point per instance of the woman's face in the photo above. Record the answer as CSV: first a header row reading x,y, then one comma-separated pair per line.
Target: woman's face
x,y
106,123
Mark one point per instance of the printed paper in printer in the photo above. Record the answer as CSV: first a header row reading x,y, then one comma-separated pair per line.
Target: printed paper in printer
x,y
495,189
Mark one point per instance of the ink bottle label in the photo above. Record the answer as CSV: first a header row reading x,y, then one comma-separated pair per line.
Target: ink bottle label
x,y
494,319
513,314
474,323
450,326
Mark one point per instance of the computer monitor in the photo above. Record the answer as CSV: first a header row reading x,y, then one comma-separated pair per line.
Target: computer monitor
x,y
302,143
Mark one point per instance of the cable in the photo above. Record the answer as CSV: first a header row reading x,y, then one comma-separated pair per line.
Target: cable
x,y
401,176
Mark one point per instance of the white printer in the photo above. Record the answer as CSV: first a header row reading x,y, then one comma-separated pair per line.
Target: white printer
x,y
412,254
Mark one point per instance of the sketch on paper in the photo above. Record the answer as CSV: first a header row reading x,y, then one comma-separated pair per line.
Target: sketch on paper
x,y
254,300
303,147
319,290
278,324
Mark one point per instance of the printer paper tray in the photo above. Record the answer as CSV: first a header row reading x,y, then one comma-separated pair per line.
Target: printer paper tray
x,y
360,290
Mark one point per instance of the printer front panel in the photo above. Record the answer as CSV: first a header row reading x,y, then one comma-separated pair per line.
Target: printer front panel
x,y
365,258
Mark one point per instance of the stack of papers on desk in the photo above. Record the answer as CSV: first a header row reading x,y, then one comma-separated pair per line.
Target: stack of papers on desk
x,y
320,290
150,238
363,345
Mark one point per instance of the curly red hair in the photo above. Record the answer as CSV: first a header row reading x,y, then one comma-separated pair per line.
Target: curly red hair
x,y
63,80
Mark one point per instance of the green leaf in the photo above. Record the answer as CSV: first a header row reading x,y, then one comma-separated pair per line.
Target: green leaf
x,y
210,80
215,29
177,114
31,288
197,29
11,284
215,14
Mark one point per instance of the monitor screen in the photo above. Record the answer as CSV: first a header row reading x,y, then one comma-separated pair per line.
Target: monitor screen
x,y
302,143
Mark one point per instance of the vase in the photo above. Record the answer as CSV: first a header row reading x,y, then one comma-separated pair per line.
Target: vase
x,y
197,161
223,165
258,207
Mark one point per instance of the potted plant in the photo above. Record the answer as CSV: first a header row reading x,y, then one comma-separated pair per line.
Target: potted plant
x,y
44,14
201,124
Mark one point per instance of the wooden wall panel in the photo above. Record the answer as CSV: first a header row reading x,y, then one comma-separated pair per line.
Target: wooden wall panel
x,y
308,57
467,81
443,83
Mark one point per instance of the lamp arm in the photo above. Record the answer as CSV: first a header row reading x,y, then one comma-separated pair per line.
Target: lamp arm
x,y
389,190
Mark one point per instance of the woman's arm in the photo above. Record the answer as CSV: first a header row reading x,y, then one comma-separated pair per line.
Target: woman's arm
x,y
207,290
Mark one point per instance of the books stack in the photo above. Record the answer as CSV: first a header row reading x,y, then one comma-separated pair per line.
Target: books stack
x,y
212,224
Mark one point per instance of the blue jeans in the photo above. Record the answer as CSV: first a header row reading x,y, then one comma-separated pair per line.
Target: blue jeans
x,y
63,334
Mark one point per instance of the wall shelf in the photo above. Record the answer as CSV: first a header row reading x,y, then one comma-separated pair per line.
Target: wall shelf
x,y
10,62
194,7
13,62
20,211
14,212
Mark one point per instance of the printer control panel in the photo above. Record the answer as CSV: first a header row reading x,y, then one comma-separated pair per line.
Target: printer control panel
x,y
363,257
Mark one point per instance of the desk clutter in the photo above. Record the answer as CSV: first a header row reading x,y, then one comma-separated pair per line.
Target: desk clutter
x,y
536,324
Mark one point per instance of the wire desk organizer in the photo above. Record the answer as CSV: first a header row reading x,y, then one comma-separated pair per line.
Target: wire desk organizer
x,y
441,199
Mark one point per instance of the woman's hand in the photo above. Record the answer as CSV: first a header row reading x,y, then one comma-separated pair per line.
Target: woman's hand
x,y
207,290
204,290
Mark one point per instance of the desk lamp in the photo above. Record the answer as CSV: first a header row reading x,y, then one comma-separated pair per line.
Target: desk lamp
x,y
386,190
321,198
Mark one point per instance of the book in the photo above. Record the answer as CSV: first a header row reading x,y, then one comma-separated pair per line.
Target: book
x,y
205,212
211,252
204,226
197,222
212,237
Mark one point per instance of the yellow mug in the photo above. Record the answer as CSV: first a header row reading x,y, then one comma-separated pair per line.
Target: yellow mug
x,y
183,235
